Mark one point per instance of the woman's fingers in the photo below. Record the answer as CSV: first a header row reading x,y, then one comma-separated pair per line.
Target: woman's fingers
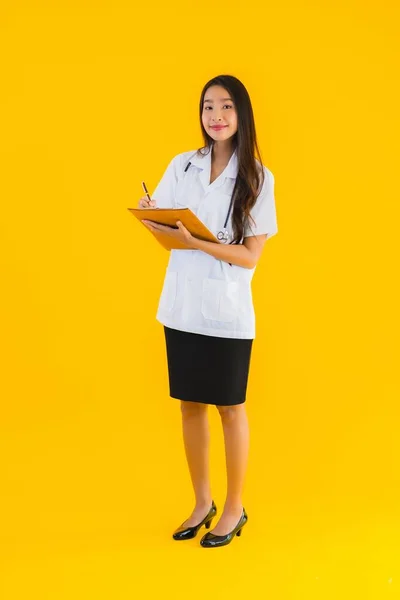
x,y
144,202
152,225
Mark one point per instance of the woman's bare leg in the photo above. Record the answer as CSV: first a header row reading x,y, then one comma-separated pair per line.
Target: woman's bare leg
x,y
196,436
236,436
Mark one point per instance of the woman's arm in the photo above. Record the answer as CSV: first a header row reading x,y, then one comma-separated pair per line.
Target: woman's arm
x,y
243,255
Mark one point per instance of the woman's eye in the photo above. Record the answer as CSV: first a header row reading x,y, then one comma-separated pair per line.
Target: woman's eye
x,y
228,105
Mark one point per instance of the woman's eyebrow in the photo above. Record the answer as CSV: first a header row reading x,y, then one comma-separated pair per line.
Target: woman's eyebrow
x,y
222,100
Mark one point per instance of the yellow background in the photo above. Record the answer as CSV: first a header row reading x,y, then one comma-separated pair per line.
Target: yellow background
x,y
97,97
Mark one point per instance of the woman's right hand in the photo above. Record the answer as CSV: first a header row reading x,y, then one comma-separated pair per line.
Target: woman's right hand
x,y
144,202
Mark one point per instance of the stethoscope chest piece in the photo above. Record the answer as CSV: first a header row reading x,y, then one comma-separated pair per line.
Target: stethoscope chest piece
x,y
223,236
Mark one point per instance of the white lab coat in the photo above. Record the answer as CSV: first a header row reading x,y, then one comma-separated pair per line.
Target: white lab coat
x,y
202,294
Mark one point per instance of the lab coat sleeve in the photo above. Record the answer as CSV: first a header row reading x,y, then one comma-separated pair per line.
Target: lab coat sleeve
x,y
164,193
264,211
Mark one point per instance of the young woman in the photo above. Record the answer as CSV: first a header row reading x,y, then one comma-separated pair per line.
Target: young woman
x,y
206,303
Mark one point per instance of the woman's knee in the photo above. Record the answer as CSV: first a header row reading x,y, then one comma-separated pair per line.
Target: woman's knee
x,y
230,412
193,408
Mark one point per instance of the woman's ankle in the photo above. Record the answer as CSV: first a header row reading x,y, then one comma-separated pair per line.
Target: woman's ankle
x,y
232,506
203,502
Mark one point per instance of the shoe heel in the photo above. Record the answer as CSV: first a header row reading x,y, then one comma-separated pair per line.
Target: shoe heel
x,y
208,524
239,532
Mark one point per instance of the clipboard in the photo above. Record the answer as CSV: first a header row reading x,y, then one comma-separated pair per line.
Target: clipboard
x,y
169,216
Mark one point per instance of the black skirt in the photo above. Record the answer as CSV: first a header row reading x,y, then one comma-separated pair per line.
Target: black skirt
x,y
207,369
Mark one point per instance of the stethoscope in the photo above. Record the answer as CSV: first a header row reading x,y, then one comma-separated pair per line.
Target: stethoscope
x,y
222,236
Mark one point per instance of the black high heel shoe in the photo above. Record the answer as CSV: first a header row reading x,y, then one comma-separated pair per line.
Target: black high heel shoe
x,y
210,540
187,533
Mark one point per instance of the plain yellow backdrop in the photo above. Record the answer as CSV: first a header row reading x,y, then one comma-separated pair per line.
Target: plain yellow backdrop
x,y
96,97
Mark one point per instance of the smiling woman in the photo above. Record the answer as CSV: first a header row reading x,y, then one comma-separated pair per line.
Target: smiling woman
x,y
206,304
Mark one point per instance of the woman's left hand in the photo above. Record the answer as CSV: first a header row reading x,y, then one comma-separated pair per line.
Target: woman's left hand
x,y
181,234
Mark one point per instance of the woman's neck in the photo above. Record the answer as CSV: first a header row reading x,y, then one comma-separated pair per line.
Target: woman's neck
x,y
222,152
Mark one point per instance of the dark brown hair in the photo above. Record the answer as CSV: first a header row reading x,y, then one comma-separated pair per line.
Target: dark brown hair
x,y
250,177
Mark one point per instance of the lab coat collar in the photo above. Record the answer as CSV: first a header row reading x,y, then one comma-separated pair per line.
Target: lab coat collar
x,y
204,163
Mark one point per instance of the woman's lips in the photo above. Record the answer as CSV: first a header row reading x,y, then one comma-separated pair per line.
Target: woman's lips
x,y
219,127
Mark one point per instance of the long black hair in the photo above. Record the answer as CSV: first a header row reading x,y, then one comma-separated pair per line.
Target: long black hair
x,y
250,177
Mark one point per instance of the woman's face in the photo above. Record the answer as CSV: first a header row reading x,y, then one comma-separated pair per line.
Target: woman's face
x,y
219,110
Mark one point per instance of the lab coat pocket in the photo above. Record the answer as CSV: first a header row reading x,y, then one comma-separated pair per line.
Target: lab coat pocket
x,y
168,294
184,196
181,203
220,300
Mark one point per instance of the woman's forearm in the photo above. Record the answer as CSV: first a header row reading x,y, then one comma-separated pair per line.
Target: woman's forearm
x,y
235,254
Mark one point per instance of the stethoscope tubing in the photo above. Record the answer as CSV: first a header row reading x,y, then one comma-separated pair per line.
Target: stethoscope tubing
x,y
221,235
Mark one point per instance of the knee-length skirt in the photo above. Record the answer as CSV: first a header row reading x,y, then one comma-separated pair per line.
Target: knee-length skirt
x,y
208,369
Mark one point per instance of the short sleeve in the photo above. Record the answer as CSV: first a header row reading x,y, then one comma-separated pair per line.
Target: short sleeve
x,y
164,193
264,211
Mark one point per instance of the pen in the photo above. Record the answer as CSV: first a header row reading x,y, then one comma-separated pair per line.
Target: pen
x,y
145,191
